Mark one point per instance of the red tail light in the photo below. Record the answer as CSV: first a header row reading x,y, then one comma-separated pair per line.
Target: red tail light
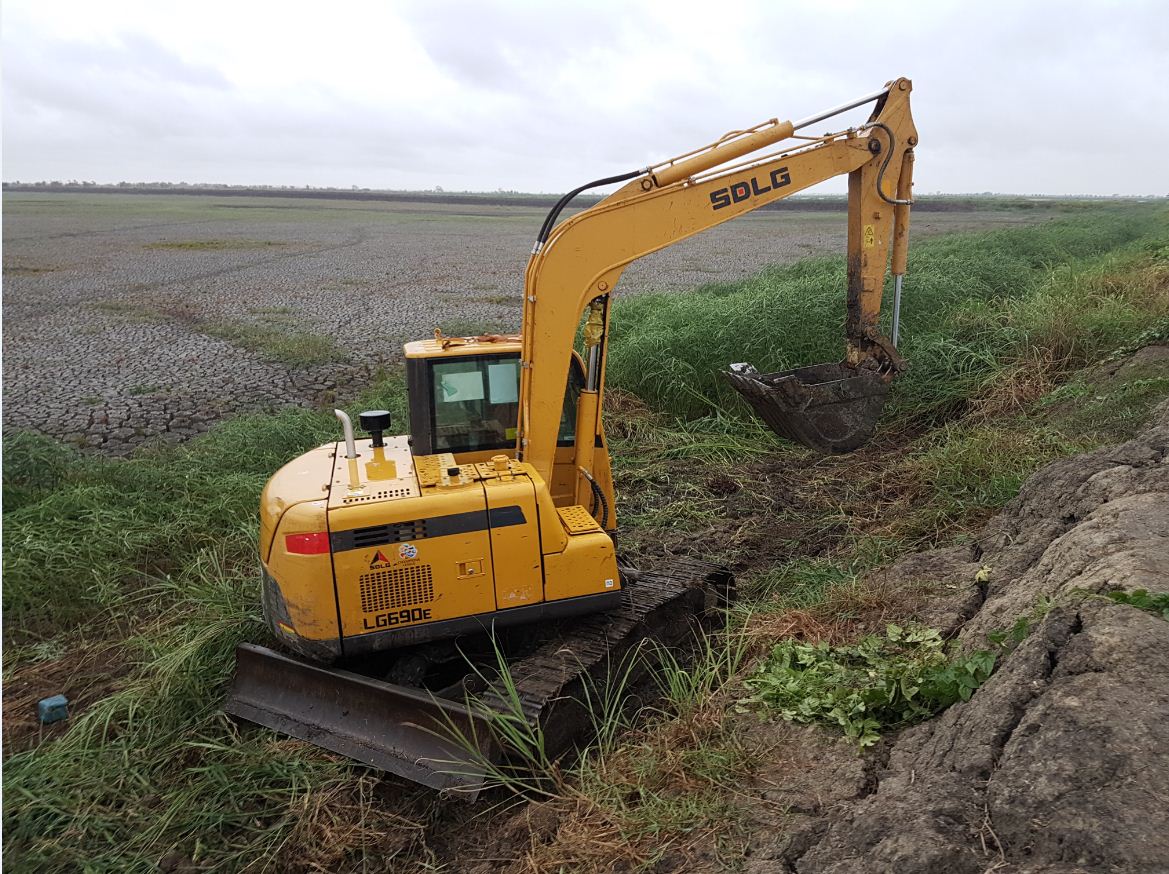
x,y
316,543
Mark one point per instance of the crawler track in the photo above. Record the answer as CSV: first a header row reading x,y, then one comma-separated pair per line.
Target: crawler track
x,y
406,731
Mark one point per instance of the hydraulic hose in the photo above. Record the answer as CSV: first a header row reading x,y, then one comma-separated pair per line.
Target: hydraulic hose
x,y
885,164
550,219
599,498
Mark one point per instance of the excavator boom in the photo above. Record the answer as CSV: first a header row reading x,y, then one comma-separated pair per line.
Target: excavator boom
x,y
577,264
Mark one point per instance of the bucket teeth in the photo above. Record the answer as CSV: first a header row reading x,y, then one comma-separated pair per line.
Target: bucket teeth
x,y
827,407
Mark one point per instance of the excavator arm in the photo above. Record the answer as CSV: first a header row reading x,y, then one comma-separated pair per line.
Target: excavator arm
x,y
576,264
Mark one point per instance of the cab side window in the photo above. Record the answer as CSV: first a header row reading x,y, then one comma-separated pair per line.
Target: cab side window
x,y
476,404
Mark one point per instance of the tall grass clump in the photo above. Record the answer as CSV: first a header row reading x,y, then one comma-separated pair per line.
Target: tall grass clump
x,y
972,302
662,757
157,553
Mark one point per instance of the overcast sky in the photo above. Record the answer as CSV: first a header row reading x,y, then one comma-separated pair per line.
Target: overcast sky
x,y
1026,97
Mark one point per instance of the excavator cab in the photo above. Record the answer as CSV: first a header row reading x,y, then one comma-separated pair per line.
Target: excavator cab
x,y
464,399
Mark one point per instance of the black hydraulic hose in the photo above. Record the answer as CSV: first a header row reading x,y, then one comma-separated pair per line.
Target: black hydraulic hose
x,y
550,220
885,165
598,497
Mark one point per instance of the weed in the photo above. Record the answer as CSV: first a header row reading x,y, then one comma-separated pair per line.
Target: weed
x,y
1109,413
25,270
496,299
277,342
162,544
527,769
136,311
213,245
157,552
973,302
1157,603
797,583
82,531
881,682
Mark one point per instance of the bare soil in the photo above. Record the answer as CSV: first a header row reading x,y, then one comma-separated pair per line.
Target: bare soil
x,y
134,318
84,675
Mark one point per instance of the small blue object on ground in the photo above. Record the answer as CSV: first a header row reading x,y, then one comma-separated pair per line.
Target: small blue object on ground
x,y
53,709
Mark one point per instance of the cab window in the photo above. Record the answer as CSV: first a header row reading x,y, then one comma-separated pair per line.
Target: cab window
x,y
475,404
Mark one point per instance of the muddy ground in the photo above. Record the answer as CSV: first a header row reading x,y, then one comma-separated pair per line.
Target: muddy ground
x,y
134,318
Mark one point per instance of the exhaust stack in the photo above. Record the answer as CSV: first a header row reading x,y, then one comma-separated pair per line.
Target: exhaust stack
x,y
355,484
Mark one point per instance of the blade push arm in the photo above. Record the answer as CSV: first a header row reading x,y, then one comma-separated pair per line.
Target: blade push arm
x,y
584,256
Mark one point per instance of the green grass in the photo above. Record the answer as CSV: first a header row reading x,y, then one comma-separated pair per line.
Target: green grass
x,y
273,337
84,532
656,774
1002,382
972,302
158,551
276,340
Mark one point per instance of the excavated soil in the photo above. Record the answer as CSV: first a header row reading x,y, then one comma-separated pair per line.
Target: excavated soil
x,y
1060,762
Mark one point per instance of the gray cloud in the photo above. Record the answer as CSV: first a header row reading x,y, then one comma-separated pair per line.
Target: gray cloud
x,y
1046,97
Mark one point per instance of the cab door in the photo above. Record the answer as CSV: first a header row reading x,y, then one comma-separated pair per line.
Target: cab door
x,y
515,536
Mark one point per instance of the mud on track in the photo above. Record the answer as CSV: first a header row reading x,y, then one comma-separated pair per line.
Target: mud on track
x,y
134,318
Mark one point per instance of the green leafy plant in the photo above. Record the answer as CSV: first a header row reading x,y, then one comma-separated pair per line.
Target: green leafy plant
x,y
1157,604
881,682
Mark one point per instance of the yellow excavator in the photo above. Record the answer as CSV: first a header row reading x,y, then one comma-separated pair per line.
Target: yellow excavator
x,y
390,563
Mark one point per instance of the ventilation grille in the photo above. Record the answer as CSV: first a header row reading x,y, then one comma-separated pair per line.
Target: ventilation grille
x,y
379,496
376,535
396,587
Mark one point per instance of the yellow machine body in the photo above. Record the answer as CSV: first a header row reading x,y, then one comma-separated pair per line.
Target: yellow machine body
x,y
424,547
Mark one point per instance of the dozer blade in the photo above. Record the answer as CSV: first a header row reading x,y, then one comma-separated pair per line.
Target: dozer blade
x,y
827,407
393,728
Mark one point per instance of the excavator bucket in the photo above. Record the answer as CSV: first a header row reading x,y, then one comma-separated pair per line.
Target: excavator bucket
x,y
828,407
393,728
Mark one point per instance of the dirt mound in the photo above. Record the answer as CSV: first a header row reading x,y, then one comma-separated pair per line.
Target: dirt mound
x,y
1060,762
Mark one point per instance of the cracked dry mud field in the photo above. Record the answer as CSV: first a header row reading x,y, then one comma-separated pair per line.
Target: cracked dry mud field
x,y
136,318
